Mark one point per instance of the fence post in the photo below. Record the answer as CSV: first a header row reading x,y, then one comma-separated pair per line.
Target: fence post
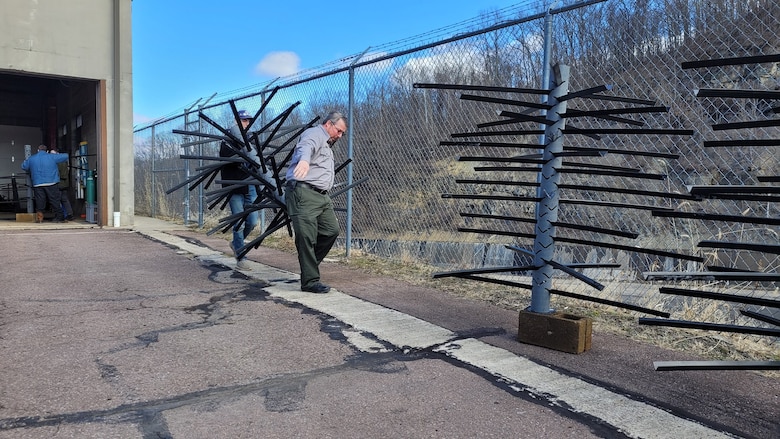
x,y
186,139
153,195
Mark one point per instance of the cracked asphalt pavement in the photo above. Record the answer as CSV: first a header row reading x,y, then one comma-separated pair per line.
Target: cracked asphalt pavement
x,y
151,332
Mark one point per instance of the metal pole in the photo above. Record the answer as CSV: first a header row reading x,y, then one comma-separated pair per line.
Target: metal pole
x,y
186,172
200,161
547,207
153,195
200,185
350,151
263,121
545,79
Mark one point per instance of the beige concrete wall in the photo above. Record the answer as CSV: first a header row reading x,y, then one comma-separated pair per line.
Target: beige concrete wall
x,y
88,39
68,38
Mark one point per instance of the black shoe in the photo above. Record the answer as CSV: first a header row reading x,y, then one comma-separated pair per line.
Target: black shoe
x,y
69,218
316,288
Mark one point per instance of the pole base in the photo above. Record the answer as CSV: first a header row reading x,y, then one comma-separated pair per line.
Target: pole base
x,y
558,331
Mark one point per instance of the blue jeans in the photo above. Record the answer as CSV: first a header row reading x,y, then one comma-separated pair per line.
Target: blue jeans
x,y
237,204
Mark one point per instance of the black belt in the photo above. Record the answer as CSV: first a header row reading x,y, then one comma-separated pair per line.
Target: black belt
x,y
315,189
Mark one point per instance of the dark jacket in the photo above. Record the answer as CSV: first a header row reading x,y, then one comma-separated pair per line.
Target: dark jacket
x,y
233,171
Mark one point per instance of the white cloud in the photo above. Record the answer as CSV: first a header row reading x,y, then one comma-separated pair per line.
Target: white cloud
x,y
276,64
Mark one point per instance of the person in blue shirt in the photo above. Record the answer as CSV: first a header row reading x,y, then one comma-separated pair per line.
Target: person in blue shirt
x,y
45,177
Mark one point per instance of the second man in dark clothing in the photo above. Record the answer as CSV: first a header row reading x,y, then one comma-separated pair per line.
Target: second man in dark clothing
x,y
241,196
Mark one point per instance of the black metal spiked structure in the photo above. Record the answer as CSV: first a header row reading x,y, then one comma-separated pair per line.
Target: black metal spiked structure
x,y
765,191
547,162
273,145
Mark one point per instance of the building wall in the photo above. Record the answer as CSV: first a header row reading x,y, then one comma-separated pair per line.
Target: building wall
x,y
84,39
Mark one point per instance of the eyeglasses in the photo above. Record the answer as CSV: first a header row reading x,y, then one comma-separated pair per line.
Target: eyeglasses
x,y
338,130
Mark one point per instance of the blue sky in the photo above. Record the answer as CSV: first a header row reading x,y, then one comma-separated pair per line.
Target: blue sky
x,y
189,49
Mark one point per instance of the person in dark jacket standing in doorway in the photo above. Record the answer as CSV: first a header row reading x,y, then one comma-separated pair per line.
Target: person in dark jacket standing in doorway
x,y
45,180
308,180
67,209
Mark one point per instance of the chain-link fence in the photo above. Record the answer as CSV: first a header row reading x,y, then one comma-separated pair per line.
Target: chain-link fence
x,y
401,137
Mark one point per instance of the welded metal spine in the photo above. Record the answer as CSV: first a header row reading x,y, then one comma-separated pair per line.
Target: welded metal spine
x,y
548,195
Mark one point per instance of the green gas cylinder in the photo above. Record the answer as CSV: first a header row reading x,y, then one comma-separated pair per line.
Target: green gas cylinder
x,y
90,188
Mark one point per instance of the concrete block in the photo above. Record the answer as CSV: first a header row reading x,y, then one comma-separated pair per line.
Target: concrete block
x,y
25,217
559,331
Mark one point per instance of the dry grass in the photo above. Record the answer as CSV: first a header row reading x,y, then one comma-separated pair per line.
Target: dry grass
x,y
706,344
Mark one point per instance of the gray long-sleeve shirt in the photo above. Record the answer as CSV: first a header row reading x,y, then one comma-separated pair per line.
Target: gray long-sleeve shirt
x,y
313,147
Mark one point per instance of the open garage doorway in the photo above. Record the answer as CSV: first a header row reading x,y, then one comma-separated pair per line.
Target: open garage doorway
x,y
58,112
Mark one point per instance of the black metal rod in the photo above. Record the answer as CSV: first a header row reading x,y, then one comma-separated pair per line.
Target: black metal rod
x,y
488,197
761,317
734,189
765,248
740,143
746,124
199,134
622,99
741,197
607,173
587,243
717,217
712,276
758,59
515,118
738,94
630,235
709,326
513,102
625,152
498,133
484,271
490,144
631,248
570,295
572,113
618,190
585,92
600,131
533,160
239,125
480,88
497,182
720,296
576,274
265,103
614,111
566,269
716,365
609,204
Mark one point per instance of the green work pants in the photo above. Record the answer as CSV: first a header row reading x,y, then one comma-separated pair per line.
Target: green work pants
x,y
315,228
